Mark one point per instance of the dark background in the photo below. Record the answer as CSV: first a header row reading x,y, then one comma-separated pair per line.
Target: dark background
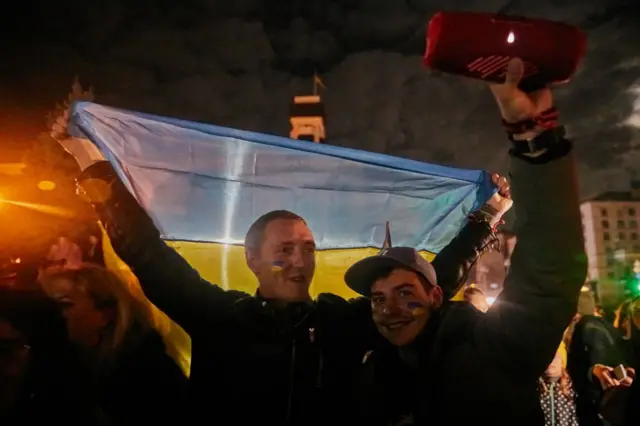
x,y
238,63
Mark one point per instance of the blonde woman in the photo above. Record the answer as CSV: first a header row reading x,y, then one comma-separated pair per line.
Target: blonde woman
x,y
125,367
557,396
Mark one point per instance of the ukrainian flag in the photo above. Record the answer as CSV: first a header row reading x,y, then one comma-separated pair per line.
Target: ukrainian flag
x,y
204,185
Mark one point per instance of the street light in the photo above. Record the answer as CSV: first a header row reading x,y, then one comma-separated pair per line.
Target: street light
x,y
46,185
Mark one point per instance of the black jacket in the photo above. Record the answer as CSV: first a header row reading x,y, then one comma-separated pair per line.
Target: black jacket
x,y
253,360
467,367
595,341
140,384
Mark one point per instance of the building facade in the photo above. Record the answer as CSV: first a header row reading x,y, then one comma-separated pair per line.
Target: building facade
x,y
307,118
612,240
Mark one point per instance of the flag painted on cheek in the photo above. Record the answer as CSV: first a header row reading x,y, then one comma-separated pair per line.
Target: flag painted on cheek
x,y
204,185
276,267
417,309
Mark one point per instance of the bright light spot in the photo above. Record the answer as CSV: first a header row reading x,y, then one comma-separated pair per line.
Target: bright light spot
x,y
494,286
584,289
638,286
511,37
490,300
17,260
46,185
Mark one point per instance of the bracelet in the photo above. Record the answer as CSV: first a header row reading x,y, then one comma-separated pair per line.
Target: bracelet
x,y
539,144
492,242
547,119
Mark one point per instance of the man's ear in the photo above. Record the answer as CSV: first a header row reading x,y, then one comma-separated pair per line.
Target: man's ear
x,y
251,257
436,296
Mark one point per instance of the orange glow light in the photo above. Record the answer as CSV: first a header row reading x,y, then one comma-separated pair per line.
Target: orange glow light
x,y
46,185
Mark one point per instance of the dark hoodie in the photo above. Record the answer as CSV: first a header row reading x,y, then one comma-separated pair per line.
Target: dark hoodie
x,y
632,407
139,383
46,391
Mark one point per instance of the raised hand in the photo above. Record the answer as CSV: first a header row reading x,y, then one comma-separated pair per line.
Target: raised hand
x,y
501,201
516,105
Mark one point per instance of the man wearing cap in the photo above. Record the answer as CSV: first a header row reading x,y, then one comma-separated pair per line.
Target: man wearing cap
x,y
446,363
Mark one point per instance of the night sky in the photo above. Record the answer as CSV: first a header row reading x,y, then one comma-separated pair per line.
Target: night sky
x,y
238,63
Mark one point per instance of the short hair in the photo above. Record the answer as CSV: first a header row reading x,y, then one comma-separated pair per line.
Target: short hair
x,y
255,235
471,291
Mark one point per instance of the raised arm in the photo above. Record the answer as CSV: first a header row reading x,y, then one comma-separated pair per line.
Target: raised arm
x,y
454,262
525,326
166,278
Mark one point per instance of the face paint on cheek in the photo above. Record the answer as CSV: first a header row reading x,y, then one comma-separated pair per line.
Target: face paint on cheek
x,y
276,267
417,309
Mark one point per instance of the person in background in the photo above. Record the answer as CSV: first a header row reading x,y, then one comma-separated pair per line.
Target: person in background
x,y
557,396
595,348
476,298
126,369
627,322
65,254
35,368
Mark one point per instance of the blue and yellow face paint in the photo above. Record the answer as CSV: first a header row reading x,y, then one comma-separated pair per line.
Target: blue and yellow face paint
x,y
417,309
277,267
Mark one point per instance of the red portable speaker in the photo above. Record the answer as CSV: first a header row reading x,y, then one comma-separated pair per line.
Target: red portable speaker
x,y
480,45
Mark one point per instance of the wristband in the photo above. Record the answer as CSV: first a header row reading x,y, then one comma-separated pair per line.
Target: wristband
x,y
546,120
543,142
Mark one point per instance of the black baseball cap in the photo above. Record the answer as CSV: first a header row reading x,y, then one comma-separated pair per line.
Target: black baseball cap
x,y
361,275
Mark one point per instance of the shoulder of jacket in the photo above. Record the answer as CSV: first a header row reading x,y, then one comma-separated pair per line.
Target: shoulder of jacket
x,y
459,318
245,300
331,299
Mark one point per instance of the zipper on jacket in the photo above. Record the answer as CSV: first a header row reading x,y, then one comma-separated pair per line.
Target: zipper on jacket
x,y
552,391
312,339
292,371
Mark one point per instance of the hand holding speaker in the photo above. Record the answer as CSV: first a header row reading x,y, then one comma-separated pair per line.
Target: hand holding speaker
x,y
514,104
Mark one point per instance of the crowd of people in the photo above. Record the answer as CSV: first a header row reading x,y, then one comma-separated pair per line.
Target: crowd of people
x,y
78,346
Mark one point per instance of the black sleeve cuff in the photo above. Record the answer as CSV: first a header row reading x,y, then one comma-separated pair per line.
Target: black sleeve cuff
x,y
552,142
